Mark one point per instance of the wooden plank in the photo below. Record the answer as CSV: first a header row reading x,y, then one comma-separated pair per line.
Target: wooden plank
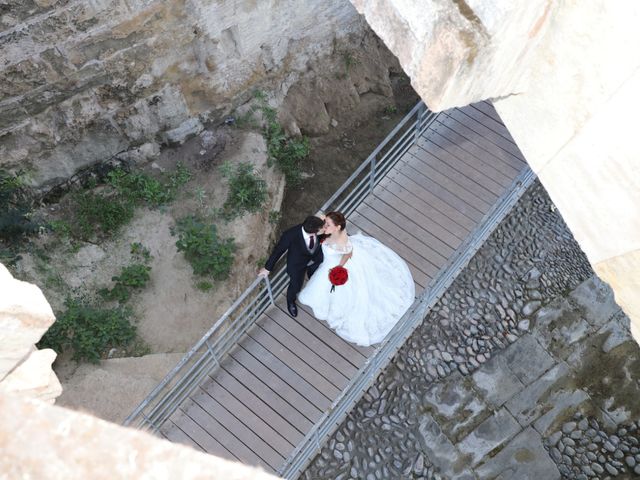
x,y
222,435
443,194
269,394
432,259
454,184
285,354
308,355
448,216
483,131
217,415
204,439
286,373
415,262
278,385
260,405
247,417
487,121
494,161
409,224
457,129
325,334
174,433
313,343
464,172
414,208
488,109
483,164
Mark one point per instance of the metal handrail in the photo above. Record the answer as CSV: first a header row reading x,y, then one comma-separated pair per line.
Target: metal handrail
x,y
205,356
375,364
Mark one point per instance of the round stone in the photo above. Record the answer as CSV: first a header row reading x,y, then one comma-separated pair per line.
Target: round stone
x,y
569,427
630,461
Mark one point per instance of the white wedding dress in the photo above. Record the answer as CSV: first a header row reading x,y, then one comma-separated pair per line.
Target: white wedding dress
x,y
378,292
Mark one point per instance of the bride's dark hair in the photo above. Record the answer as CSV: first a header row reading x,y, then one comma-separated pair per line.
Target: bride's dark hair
x,y
338,219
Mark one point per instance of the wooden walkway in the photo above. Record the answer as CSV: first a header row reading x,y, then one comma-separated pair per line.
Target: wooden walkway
x,y
285,373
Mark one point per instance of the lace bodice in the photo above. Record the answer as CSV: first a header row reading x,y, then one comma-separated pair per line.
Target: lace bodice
x,y
334,248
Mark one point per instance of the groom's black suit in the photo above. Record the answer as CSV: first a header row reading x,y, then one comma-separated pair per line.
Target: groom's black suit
x,y
298,259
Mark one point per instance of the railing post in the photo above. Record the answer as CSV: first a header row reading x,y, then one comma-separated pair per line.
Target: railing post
x,y
419,120
372,176
269,290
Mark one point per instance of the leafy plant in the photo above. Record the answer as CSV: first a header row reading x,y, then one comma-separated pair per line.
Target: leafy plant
x,y
247,191
132,277
275,216
139,186
285,152
100,214
15,207
208,254
390,110
204,285
89,330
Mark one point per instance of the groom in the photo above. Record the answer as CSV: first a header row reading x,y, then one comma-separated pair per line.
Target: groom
x,y
304,255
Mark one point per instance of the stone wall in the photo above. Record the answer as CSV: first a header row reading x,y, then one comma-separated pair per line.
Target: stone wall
x,y
564,78
82,81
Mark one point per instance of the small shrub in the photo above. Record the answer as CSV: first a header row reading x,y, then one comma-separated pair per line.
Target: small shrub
x,y
89,331
208,254
285,152
15,208
132,277
140,187
390,110
247,191
274,217
204,285
99,214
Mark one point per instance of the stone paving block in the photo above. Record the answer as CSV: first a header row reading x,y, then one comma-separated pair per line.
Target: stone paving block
x,y
496,382
527,359
456,405
441,452
490,434
597,300
523,458
556,404
528,405
618,330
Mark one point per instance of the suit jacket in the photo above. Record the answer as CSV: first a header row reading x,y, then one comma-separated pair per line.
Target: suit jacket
x,y
298,255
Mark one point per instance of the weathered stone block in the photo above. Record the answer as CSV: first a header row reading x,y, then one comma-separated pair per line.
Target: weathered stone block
x,y
527,359
490,434
439,449
496,381
523,458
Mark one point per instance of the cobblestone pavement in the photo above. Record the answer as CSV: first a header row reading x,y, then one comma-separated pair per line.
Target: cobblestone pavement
x,y
445,407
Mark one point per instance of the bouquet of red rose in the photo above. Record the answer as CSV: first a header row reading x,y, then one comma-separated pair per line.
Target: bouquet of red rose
x,y
338,276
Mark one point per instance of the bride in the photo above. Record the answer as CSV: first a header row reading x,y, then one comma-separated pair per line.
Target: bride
x,y
377,293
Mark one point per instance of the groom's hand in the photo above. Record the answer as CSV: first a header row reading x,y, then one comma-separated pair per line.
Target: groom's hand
x,y
263,272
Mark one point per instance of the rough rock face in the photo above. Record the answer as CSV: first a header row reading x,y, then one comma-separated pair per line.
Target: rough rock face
x,y
82,81
24,317
564,79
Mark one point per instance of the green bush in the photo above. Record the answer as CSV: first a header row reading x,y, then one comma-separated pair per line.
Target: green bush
x,y
208,254
99,214
247,191
132,277
139,186
285,152
15,208
89,330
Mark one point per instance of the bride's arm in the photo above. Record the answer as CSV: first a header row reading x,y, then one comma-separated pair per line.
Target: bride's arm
x,y
349,249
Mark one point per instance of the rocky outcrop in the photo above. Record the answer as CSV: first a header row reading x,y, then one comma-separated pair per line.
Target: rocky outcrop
x,y
25,316
83,81
564,79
